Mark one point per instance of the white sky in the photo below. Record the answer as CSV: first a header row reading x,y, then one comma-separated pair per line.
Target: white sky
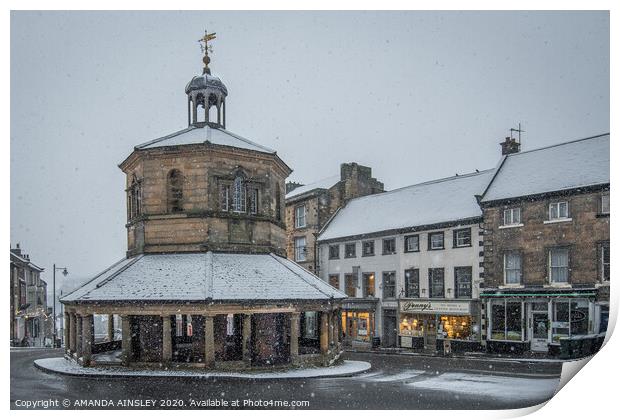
x,y
414,95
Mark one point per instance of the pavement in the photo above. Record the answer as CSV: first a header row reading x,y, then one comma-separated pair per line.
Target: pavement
x,y
394,381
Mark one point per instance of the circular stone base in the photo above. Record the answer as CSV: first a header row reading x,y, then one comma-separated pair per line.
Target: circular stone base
x,y
63,366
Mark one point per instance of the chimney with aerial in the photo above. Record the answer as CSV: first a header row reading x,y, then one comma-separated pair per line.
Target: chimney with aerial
x,y
510,145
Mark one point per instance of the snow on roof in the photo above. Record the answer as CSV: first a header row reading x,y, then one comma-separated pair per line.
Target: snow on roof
x,y
439,201
324,183
574,164
206,133
202,276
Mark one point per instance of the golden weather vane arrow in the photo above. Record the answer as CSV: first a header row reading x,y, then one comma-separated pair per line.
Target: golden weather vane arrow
x,y
206,49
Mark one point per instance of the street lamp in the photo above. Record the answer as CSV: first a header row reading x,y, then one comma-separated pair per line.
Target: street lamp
x,y
64,273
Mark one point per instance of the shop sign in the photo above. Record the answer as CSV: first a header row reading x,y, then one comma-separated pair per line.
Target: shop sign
x,y
576,315
444,307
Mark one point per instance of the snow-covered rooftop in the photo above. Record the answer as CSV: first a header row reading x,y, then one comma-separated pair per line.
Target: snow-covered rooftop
x,y
206,133
324,183
439,201
204,276
575,164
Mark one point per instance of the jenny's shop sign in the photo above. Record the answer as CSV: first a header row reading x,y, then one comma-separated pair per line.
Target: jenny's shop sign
x,y
444,307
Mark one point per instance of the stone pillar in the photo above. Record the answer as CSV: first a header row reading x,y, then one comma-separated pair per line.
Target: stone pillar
x,y
78,336
209,343
324,332
127,353
110,327
247,338
294,336
87,339
337,322
72,333
166,349
330,318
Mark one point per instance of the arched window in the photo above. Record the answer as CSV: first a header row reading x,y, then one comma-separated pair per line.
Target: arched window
x,y
134,198
239,195
175,191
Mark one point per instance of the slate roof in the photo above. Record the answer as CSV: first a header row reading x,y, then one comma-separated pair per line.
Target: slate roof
x,y
433,202
574,164
204,276
325,183
205,134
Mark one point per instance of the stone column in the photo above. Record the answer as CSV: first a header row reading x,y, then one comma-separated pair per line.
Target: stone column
x,y
324,332
209,342
294,336
65,332
166,349
127,353
110,327
330,318
78,336
247,338
337,321
87,339
72,333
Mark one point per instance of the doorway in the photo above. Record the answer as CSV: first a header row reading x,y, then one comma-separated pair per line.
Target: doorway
x,y
389,329
539,327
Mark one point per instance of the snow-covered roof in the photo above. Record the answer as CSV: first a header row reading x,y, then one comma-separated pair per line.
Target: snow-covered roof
x,y
564,166
433,202
204,276
324,183
204,134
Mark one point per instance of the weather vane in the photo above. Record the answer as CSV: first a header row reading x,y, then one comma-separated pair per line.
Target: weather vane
x,y
206,49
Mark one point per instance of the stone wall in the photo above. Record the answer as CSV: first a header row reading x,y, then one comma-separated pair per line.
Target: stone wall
x,y
582,235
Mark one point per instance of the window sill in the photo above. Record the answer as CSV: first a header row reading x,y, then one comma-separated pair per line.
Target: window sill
x,y
602,215
512,286
558,285
389,253
518,225
368,255
350,257
411,252
436,249
462,246
548,222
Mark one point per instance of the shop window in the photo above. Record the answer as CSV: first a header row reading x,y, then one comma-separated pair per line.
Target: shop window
x,y
570,318
300,217
462,238
512,216
412,283
369,284
604,319
368,248
506,320
605,260
350,286
578,317
334,280
558,265
412,243
389,285
455,327
300,249
462,282
436,282
334,252
435,240
558,210
349,250
512,267
389,246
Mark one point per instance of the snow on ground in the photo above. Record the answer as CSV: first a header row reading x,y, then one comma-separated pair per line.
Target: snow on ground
x,y
401,376
498,387
64,366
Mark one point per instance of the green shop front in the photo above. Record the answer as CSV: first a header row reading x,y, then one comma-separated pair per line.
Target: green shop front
x,y
563,323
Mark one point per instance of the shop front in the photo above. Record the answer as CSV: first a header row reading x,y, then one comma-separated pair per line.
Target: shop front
x,y
358,322
435,325
541,321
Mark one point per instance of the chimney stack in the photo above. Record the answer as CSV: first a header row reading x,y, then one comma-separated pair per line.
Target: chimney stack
x,y
510,146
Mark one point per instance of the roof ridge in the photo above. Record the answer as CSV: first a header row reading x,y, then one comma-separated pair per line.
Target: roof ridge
x,y
297,274
557,145
430,182
243,139
176,133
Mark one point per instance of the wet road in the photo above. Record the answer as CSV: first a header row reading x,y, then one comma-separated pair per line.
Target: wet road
x,y
393,382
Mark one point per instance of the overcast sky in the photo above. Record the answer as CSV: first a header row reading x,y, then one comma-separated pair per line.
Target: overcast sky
x,y
414,95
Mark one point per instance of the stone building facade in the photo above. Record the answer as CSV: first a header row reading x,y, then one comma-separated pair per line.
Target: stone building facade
x,y
409,261
205,281
546,248
31,318
309,207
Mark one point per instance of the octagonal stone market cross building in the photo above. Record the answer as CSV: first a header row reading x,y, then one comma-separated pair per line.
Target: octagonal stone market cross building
x,y
205,282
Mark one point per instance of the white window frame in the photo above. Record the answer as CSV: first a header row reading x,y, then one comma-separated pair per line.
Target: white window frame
x,y
550,267
301,251
456,237
300,216
557,205
443,239
605,198
509,216
519,270
408,241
